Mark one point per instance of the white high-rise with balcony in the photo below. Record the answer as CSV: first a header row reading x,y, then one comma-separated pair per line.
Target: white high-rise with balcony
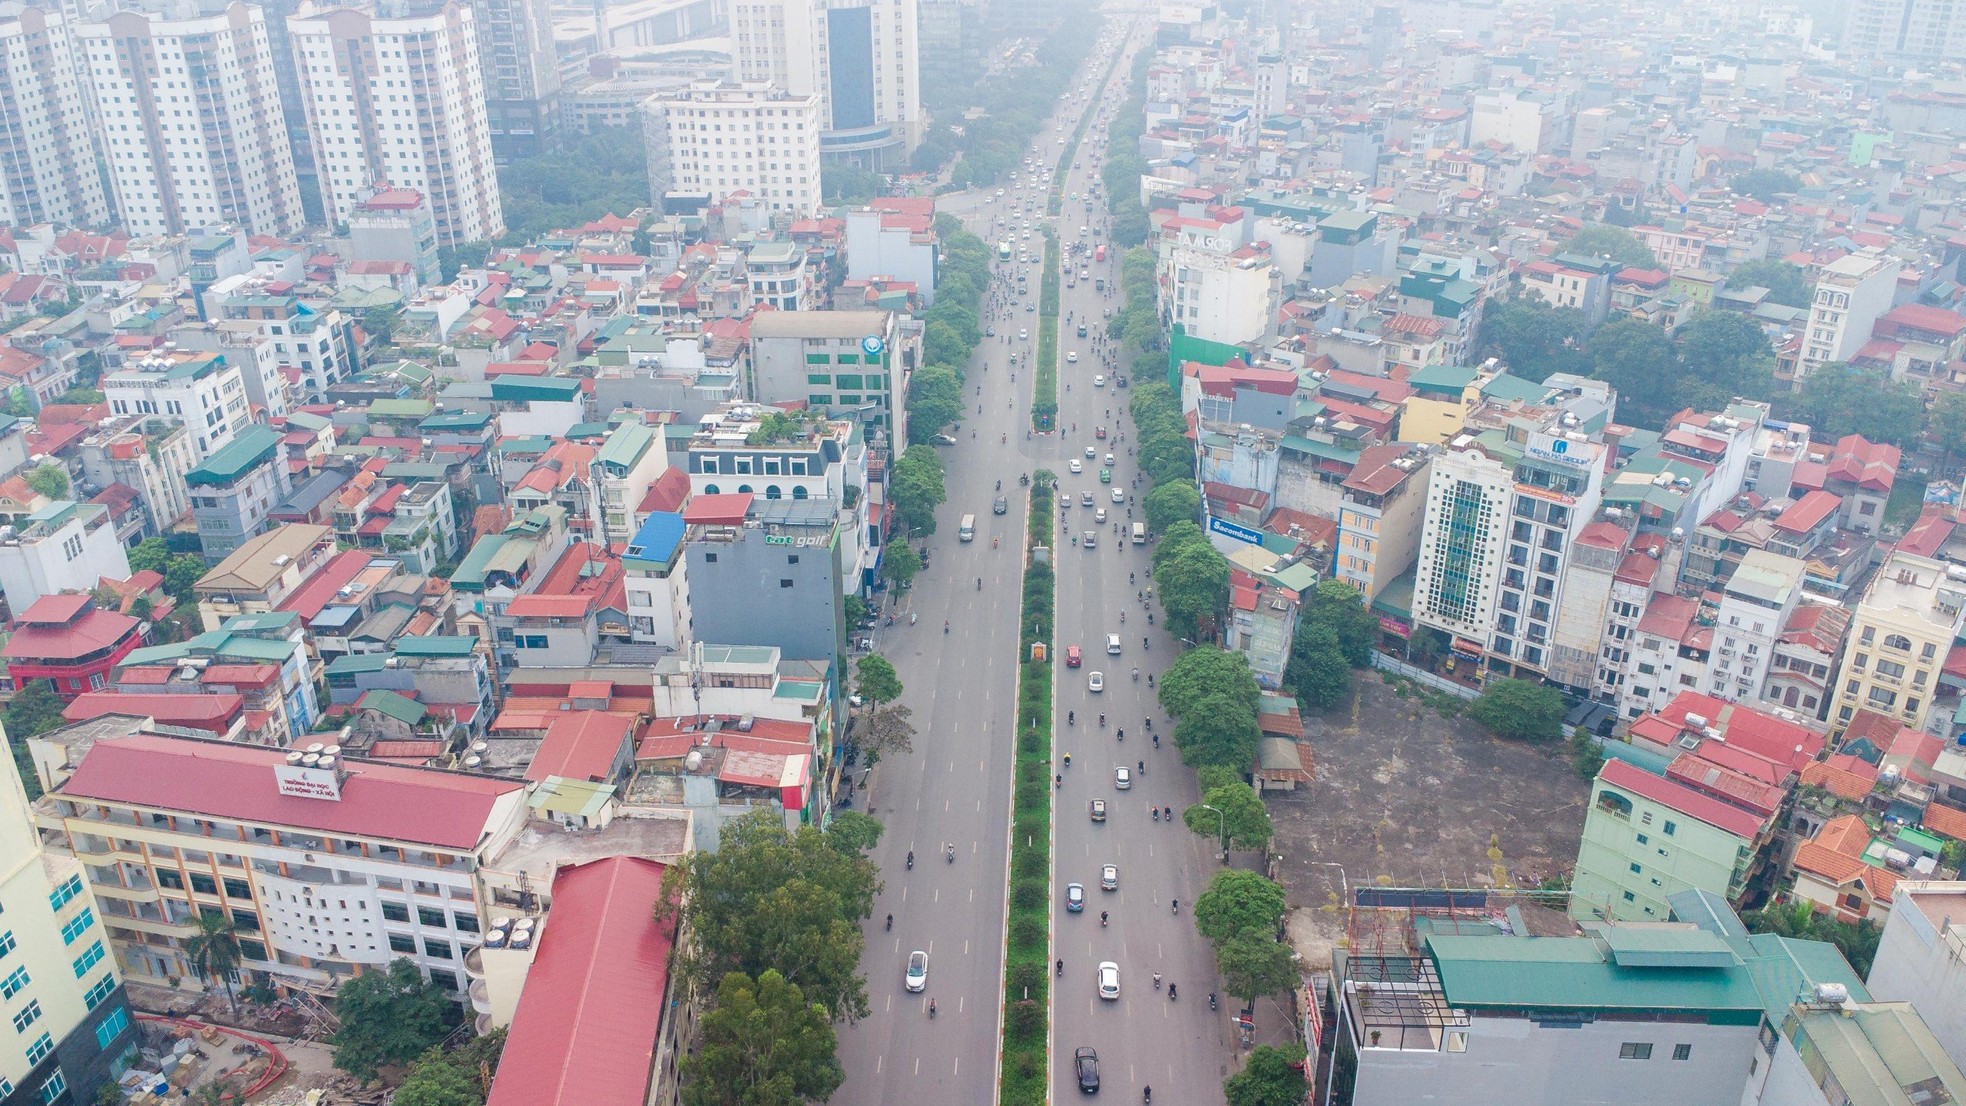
x,y
720,137
190,118
860,57
48,174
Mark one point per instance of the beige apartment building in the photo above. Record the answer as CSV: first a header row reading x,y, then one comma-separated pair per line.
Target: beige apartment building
x,y
1904,627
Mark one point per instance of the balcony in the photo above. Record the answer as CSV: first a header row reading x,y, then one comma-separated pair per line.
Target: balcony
x,y
480,997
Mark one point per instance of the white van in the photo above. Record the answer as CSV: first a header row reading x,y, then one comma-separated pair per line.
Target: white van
x,y
968,530
1139,533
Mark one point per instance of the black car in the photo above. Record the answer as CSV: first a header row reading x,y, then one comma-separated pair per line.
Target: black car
x,y
1086,1062
1081,330
1001,506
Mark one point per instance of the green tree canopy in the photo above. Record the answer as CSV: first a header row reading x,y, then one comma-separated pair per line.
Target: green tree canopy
x,y
1317,672
459,1078
764,1044
1254,964
876,680
916,488
1340,607
1168,504
1534,339
1839,398
1244,818
1722,354
1522,709
1194,588
943,345
50,479
1204,671
1221,730
1785,282
602,173
1858,941
1239,901
1617,243
771,898
1945,423
391,1016
854,833
1272,1076
900,564
1766,185
1638,359
934,401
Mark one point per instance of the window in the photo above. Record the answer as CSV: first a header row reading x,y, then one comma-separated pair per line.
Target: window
x,y
1671,827
203,884
77,926
439,949
16,979
1682,1052
466,923
6,942
1634,1050
237,889
1635,869
431,917
401,943
89,959
39,1050
70,887
395,911
27,1015
112,1027
53,1088
101,990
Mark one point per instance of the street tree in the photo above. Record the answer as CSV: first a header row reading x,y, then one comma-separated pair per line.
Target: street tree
x,y
1254,964
934,401
887,729
1525,710
1945,424
1167,460
1839,398
876,681
916,488
1239,901
1637,359
1317,672
388,1017
214,952
1272,1076
434,1081
1534,339
900,564
1205,671
1221,730
764,1044
1245,820
773,898
50,479
1194,588
1168,504
854,833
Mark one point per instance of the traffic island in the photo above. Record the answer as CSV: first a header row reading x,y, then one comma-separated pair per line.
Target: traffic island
x,y
1025,1076
1044,391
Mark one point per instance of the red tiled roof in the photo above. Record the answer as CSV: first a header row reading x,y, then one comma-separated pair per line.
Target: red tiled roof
x,y
89,633
550,606
212,712
1838,780
723,509
1866,464
55,610
581,745
236,782
1808,512
317,591
1677,796
1946,820
585,1030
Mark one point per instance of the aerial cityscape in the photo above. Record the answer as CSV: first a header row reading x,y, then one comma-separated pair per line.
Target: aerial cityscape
x,y
508,598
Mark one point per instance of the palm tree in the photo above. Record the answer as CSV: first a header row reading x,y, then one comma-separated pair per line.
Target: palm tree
x,y
214,952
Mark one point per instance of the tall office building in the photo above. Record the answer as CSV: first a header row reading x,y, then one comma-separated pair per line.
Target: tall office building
x,y
190,117
1905,30
58,983
47,149
521,73
400,100
719,137
861,57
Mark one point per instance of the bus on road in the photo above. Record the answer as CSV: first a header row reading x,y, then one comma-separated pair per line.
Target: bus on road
x,y
1003,250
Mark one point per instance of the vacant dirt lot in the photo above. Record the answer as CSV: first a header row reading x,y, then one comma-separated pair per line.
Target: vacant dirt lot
x,y
1405,798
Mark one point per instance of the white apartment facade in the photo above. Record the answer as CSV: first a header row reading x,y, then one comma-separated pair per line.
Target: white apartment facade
x,y
189,111
1214,285
1921,958
720,137
49,174
1850,295
203,391
1461,546
58,984
1754,608
402,101
861,58
326,869
64,546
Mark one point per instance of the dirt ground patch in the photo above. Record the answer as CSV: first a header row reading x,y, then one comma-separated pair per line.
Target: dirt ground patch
x,y
1405,798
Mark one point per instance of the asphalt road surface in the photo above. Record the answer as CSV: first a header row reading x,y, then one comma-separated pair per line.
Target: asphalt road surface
x,y
961,684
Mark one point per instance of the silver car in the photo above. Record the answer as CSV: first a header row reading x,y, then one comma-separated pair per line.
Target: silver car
x,y
917,975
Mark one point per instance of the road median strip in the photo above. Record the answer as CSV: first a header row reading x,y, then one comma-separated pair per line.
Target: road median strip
x,y
1026,1070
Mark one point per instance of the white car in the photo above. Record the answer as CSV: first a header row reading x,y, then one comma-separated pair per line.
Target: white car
x,y
1099,381
1109,980
1109,460
1119,495
1072,357
1096,682
1113,645
1109,878
1123,778
917,977
1091,452
1097,516
1023,334
1078,466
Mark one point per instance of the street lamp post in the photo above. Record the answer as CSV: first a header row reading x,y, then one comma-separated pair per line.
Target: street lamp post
x,y
1221,830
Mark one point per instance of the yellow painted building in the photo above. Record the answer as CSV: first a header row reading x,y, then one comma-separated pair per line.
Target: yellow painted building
x,y
1905,626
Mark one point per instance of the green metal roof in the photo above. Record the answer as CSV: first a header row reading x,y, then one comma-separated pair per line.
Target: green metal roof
x,y
439,645
627,445
471,571
1328,451
518,389
456,420
1448,379
383,701
1576,973
401,408
357,662
1642,947
242,454
1505,387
